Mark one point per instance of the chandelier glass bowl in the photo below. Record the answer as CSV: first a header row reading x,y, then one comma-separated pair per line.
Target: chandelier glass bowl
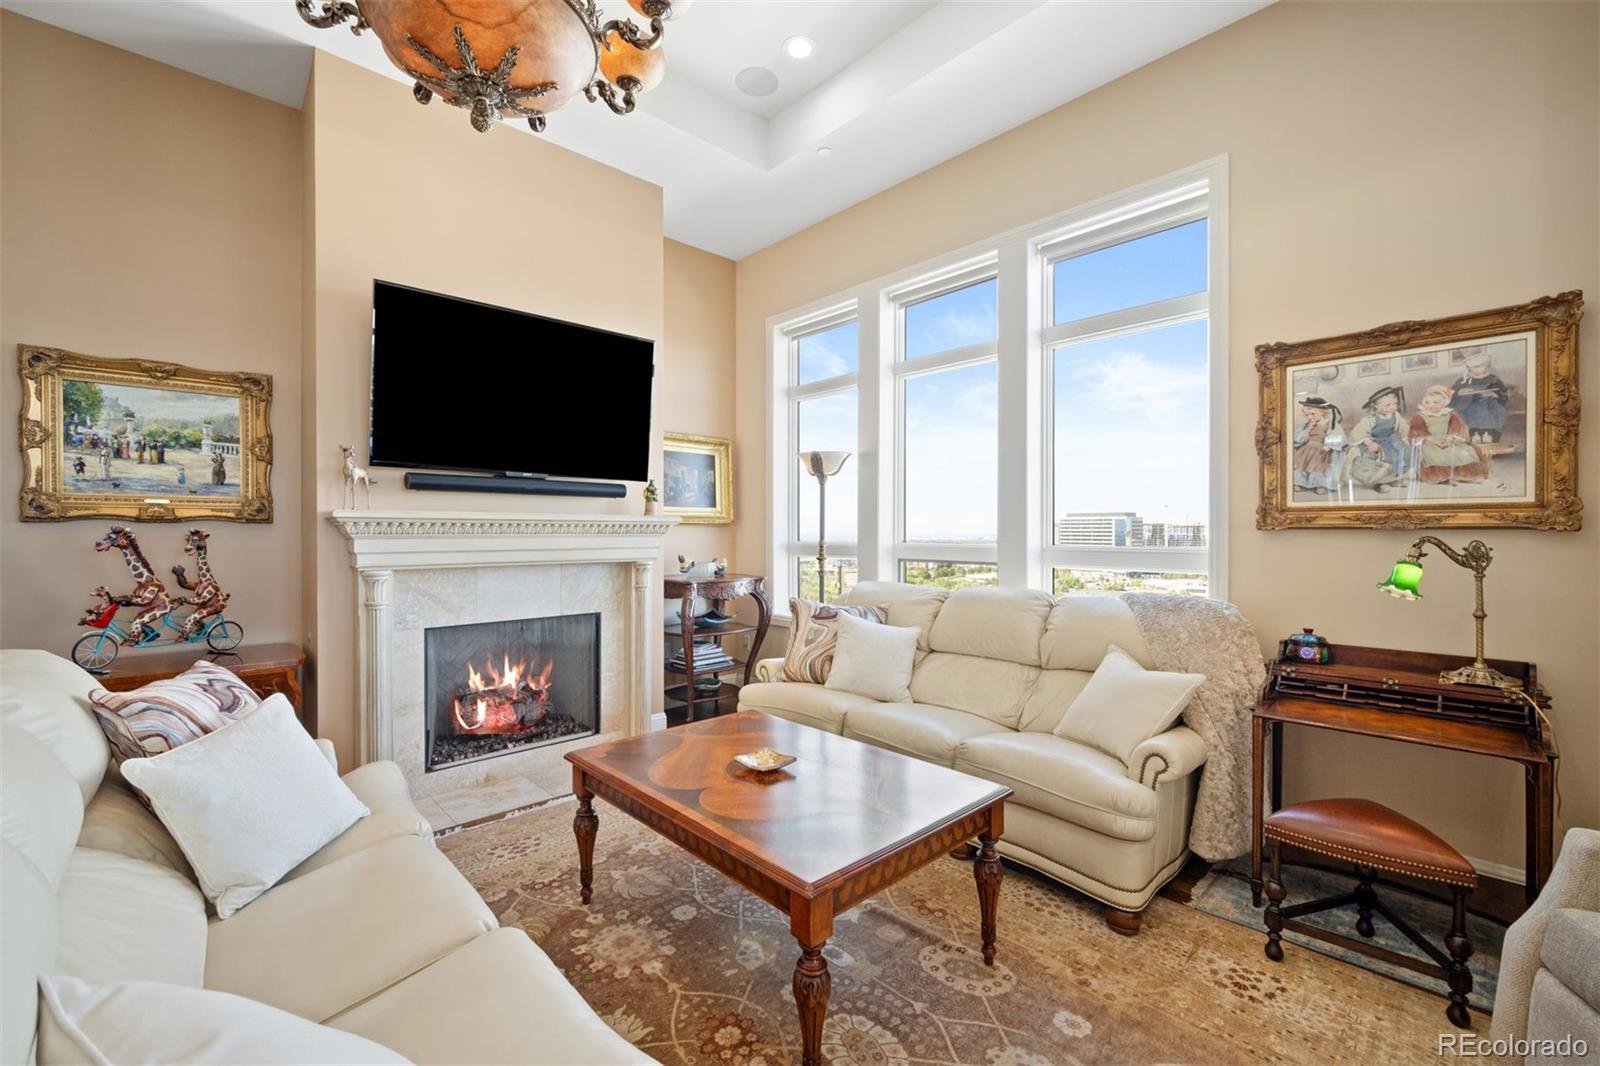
x,y
511,58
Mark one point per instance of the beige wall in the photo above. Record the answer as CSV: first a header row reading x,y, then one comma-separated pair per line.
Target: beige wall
x,y
164,225
1387,161
526,225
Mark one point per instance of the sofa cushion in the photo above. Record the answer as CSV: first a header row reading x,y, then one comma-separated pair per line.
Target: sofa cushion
x,y
873,660
920,729
1571,951
908,605
325,941
1081,628
41,810
49,697
116,820
813,705
147,1021
989,688
1052,694
1001,624
165,714
813,635
472,1006
1123,705
126,919
382,788
1063,778
28,933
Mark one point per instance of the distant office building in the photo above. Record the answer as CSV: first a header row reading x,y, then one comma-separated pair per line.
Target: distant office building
x,y
1188,535
1116,529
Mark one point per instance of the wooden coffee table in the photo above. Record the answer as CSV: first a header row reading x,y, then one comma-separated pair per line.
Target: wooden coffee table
x,y
845,821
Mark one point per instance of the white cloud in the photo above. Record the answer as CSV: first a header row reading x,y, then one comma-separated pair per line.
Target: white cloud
x,y
1129,380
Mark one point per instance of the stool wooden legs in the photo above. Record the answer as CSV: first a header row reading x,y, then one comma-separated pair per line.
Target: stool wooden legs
x,y
1274,915
1365,898
1459,944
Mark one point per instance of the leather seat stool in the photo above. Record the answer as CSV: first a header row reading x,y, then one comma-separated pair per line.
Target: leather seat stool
x,y
1373,838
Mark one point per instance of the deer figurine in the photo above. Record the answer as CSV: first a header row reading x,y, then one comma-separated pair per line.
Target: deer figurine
x,y
354,474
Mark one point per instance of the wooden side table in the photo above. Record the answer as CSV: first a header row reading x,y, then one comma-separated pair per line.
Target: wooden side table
x,y
266,668
719,590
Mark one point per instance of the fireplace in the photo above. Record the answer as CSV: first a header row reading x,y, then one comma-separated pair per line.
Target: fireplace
x,y
492,688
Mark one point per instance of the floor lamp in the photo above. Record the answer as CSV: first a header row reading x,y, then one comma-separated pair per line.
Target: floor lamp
x,y
822,466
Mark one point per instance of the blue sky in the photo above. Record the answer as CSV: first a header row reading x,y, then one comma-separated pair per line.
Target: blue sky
x,y
1130,411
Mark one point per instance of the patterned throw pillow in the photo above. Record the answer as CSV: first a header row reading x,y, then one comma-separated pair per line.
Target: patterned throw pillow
x,y
814,636
165,714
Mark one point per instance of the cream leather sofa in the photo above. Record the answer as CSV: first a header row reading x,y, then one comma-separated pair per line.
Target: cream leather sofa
x,y
996,670
376,934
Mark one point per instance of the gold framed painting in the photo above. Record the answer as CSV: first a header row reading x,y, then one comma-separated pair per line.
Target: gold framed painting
x,y
1468,421
697,478
142,440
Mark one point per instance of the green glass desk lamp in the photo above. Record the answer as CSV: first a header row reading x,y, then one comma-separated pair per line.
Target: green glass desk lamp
x,y
1404,583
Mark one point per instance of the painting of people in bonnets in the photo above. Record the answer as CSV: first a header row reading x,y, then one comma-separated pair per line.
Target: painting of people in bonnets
x,y
1442,423
149,441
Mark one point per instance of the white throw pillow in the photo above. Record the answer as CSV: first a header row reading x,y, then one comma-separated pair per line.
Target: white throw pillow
x,y
1124,705
134,1022
873,660
247,803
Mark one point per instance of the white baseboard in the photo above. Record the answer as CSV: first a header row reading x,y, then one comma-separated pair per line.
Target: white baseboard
x,y
1499,871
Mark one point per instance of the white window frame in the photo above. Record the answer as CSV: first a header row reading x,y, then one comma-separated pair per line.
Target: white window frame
x,y
787,480
1024,553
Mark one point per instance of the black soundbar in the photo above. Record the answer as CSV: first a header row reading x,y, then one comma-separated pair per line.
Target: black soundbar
x,y
531,486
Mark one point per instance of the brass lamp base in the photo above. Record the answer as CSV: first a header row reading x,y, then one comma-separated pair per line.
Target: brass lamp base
x,y
1481,674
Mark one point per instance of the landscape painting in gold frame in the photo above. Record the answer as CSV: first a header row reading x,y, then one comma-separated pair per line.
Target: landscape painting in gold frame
x,y
1468,421
141,440
697,478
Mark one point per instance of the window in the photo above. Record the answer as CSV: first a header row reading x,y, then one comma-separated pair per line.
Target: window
x,y
1127,359
1040,410
820,407
948,418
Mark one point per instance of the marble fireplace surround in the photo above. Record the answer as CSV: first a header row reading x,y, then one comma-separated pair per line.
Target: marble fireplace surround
x,y
423,568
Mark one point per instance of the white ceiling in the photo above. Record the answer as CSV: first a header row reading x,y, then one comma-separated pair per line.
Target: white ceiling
x,y
893,88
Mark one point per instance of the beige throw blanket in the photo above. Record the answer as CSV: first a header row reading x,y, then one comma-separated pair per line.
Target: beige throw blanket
x,y
1194,635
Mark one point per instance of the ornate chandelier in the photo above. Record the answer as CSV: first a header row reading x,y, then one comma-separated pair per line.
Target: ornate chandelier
x,y
514,58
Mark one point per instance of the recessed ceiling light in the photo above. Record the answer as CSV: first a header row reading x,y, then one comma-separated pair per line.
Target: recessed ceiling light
x,y
799,47
756,81
824,151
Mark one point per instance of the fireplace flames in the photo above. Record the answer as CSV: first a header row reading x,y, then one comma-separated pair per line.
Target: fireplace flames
x,y
506,701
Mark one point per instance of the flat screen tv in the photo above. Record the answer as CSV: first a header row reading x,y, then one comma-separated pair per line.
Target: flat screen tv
x,y
459,385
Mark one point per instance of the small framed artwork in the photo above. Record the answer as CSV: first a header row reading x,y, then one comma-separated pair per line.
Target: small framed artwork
x,y
139,439
1464,421
697,478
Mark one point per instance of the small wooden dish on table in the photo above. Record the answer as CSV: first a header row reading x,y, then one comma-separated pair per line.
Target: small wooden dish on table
x,y
683,697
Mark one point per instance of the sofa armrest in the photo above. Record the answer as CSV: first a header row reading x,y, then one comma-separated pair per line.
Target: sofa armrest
x,y
326,747
1574,883
769,670
1168,756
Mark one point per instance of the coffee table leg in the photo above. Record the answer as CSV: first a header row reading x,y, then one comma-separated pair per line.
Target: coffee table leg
x,y
585,824
987,870
812,984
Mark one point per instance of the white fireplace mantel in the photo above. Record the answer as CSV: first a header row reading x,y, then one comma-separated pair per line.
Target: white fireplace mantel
x,y
382,542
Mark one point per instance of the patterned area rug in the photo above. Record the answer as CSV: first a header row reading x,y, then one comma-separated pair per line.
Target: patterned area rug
x,y
694,969
1225,892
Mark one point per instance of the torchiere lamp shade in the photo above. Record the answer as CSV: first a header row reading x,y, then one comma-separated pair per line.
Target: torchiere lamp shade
x,y
823,464
1404,581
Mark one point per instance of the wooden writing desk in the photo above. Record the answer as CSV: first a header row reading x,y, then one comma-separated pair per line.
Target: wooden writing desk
x,y
1534,752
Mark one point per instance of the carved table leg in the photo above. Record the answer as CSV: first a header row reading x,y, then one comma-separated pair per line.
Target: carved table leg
x,y
812,985
987,871
585,824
